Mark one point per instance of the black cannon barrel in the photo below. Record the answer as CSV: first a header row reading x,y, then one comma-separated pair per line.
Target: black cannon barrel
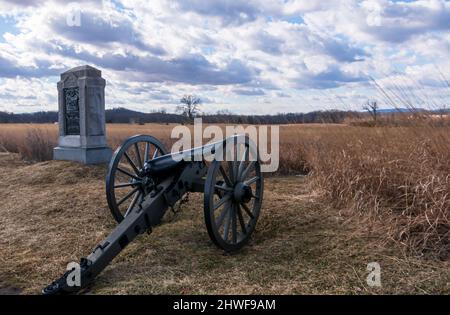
x,y
170,161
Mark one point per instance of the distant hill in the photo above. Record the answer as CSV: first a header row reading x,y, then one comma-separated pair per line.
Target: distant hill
x,y
124,116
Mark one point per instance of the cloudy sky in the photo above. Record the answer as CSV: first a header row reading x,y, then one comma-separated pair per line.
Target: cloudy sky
x,y
243,56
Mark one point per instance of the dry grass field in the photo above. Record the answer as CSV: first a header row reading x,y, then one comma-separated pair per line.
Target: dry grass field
x,y
35,142
371,194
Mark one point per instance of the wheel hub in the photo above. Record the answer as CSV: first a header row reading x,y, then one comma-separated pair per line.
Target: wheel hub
x,y
145,181
242,193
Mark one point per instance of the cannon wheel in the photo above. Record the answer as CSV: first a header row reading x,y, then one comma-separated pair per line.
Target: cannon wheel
x,y
125,184
233,198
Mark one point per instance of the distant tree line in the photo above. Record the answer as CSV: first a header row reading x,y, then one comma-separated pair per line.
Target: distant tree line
x,y
331,116
37,117
123,115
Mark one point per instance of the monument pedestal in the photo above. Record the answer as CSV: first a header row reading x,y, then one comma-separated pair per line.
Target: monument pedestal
x,y
83,155
82,133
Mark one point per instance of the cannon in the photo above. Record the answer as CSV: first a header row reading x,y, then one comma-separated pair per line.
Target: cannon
x,y
143,181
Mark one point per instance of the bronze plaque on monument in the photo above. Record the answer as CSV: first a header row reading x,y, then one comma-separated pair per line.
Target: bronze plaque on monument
x,y
71,111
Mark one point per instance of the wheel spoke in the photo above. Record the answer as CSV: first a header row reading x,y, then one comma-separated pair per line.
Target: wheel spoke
x,y
235,164
225,177
236,170
241,164
133,203
138,154
231,171
226,228
234,225
221,202
220,187
127,196
245,173
222,216
247,210
251,180
155,154
130,161
241,219
128,173
147,150
122,185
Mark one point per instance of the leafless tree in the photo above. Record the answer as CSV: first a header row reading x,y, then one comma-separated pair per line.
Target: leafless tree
x,y
372,108
189,106
443,111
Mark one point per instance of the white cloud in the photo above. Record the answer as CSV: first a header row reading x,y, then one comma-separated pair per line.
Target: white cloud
x,y
241,54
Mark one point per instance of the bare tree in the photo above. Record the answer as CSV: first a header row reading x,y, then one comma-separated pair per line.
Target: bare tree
x,y
372,108
443,111
190,106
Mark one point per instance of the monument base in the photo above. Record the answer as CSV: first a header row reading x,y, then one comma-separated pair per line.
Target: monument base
x,y
100,155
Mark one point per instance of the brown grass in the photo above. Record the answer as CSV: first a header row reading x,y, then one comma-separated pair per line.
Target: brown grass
x,y
32,142
397,177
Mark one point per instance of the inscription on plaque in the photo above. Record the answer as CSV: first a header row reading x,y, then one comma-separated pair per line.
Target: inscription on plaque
x,y
71,111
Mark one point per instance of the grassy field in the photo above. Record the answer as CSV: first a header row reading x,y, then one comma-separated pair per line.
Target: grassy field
x,y
371,194
35,142
55,212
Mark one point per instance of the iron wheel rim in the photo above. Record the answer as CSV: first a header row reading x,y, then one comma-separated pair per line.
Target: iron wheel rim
x,y
231,222
122,155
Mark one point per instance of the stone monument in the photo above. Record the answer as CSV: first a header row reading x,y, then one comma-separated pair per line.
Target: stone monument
x,y
81,101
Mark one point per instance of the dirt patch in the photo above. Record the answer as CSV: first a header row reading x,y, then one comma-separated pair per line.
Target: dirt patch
x,y
53,213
